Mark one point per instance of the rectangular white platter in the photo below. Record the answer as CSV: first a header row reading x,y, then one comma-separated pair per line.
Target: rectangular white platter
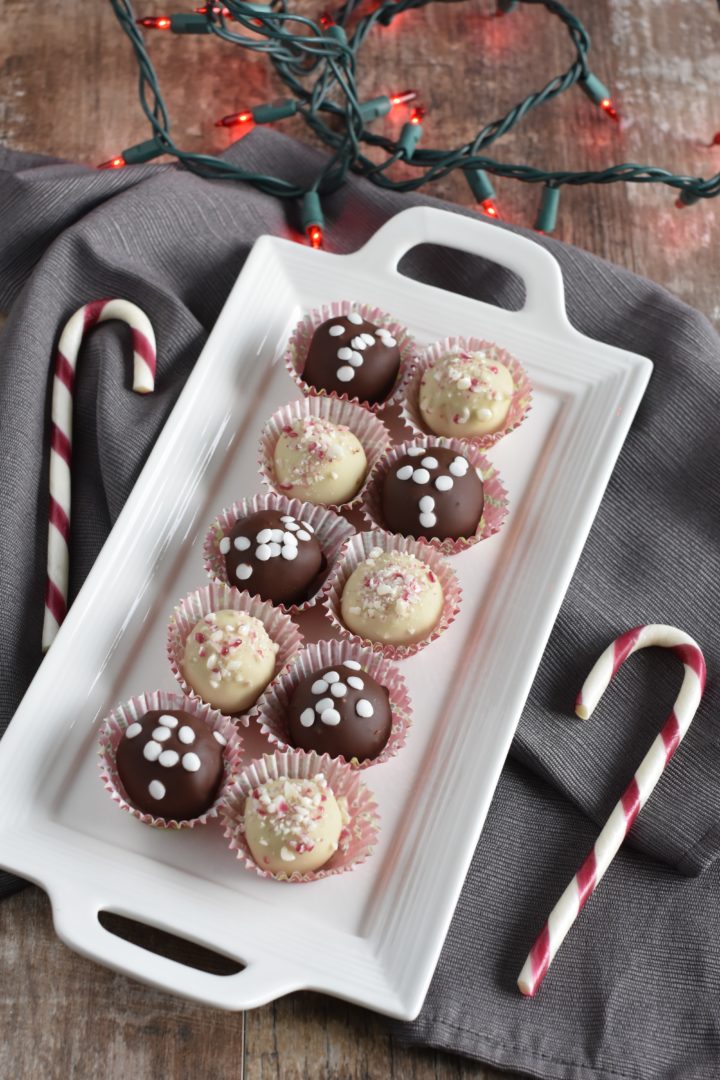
x,y
371,936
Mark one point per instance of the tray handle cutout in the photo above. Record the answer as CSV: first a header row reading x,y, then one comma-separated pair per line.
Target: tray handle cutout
x,y
539,270
77,925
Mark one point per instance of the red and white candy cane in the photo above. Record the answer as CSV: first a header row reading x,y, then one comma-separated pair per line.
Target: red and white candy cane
x,y
636,794
144,359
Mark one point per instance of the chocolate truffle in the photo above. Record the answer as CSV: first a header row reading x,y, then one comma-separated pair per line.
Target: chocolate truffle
x,y
466,394
342,711
229,659
171,764
293,826
432,493
349,355
273,555
392,597
319,462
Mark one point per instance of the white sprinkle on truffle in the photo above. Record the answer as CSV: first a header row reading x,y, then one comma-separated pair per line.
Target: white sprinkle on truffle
x,y
152,751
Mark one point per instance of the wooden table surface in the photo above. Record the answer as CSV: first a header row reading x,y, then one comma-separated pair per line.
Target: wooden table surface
x,y
69,89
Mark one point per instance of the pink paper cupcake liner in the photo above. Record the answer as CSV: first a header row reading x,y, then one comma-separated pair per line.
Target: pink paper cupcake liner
x,y
356,551
301,337
357,838
519,406
272,707
365,425
219,597
330,529
495,508
112,730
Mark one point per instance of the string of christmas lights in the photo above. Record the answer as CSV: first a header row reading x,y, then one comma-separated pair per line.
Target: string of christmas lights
x,y
317,62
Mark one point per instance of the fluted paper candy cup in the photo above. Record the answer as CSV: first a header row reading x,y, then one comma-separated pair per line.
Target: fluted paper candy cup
x,y
219,597
330,530
495,507
273,705
356,551
358,836
299,343
365,426
521,398
113,728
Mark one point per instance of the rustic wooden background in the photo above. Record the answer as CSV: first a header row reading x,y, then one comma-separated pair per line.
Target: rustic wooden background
x,y
69,89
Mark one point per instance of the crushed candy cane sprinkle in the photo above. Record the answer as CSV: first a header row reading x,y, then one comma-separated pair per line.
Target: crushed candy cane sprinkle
x,y
226,647
480,375
292,810
316,447
393,584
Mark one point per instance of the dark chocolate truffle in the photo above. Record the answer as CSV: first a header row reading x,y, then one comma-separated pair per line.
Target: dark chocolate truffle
x,y
432,493
171,764
349,355
274,556
341,711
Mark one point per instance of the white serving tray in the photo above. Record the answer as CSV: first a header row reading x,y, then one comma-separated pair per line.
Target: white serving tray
x,y
372,936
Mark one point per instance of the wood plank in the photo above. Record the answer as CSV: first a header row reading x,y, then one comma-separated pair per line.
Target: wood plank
x,y
64,1016
311,1037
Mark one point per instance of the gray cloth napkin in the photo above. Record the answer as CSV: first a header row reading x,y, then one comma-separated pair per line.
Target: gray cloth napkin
x,y
634,991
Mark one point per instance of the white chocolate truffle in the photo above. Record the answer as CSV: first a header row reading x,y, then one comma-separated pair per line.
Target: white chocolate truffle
x,y
392,597
293,826
466,394
319,462
229,660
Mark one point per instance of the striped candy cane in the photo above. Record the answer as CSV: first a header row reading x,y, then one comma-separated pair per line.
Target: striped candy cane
x,y
636,794
58,556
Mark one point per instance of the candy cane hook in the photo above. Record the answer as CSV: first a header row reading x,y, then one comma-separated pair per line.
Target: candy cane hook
x,y
144,360
636,794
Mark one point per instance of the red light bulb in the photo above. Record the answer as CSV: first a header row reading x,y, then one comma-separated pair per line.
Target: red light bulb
x,y
488,207
160,22
403,97
326,20
234,119
417,115
114,163
607,106
315,236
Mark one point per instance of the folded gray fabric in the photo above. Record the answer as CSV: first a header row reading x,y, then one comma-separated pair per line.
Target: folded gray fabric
x,y
633,991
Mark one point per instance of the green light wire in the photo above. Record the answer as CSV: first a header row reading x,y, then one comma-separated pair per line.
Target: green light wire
x,y
319,69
